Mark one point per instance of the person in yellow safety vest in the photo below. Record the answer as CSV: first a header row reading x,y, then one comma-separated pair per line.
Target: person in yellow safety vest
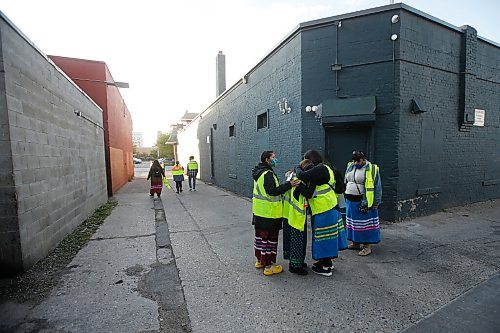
x,y
178,175
363,194
267,209
294,222
192,172
328,232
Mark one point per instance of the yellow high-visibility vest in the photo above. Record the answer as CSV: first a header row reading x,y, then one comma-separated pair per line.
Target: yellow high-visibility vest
x,y
177,170
192,165
369,181
324,197
263,204
296,214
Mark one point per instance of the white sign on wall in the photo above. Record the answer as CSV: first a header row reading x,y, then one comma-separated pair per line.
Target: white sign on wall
x,y
479,117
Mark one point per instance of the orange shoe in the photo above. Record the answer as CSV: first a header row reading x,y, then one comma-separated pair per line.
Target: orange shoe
x,y
273,269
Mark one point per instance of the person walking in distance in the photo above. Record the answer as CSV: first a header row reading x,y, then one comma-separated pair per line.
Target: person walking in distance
x,y
363,195
192,172
156,173
267,209
178,175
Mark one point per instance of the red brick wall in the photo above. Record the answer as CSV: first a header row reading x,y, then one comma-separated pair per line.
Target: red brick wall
x,y
91,77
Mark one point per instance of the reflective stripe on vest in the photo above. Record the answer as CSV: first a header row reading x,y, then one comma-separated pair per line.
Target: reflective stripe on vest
x,y
324,198
297,212
192,165
265,205
286,204
369,181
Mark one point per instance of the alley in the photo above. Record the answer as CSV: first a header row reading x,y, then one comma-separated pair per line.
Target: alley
x,y
195,272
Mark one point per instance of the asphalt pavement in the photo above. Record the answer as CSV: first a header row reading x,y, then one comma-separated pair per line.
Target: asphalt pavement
x,y
185,263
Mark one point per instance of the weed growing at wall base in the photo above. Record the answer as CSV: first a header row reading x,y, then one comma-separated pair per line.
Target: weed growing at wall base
x,y
35,284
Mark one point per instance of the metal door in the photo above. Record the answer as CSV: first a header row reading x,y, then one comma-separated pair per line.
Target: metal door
x,y
342,141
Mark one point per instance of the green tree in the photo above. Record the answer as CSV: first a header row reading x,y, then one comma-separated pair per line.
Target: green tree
x,y
165,150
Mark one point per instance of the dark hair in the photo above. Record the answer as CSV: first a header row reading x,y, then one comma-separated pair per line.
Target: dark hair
x,y
306,164
156,165
191,157
358,155
314,156
265,155
176,162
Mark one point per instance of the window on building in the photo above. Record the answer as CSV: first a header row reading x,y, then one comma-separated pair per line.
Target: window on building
x,y
232,131
262,121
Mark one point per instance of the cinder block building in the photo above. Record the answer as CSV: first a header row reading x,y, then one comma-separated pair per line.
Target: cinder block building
x,y
96,80
52,165
420,96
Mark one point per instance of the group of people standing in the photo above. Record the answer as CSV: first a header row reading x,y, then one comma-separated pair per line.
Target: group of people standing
x,y
157,175
313,188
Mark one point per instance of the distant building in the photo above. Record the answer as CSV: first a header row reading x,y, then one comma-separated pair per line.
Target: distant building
x,y
96,80
420,96
138,139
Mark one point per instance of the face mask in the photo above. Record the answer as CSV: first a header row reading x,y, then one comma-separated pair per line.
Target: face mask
x,y
274,162
359,166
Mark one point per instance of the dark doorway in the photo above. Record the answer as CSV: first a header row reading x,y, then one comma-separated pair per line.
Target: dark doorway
x,y
341,141
212,171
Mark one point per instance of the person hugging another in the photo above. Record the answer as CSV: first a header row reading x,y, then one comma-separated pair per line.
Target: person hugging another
x,y
294,222
267,209
328,232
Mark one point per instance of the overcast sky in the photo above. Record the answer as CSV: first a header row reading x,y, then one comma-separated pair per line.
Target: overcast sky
x,y
166,49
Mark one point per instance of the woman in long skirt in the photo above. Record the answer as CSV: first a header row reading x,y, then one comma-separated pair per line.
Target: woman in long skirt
x,y
156,173
363,195
328,232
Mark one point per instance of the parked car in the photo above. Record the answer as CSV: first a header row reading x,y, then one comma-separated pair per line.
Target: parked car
x,y
137,160
167,161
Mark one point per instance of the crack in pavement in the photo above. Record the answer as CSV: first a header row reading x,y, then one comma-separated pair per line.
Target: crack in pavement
x,y
121,237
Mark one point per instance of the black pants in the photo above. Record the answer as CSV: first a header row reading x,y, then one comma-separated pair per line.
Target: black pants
x,y
193,180
178,186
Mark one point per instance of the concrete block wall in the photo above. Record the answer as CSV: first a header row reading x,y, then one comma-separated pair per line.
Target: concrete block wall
x,y
57,157
275,78
365,51
440,164
9,230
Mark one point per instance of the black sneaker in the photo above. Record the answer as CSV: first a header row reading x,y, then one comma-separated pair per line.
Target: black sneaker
x,y
322,270
298,271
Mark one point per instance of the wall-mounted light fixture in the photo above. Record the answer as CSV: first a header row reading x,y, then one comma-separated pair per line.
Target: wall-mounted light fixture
x,y
395,19
317,109
284,106
394,37
109,83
